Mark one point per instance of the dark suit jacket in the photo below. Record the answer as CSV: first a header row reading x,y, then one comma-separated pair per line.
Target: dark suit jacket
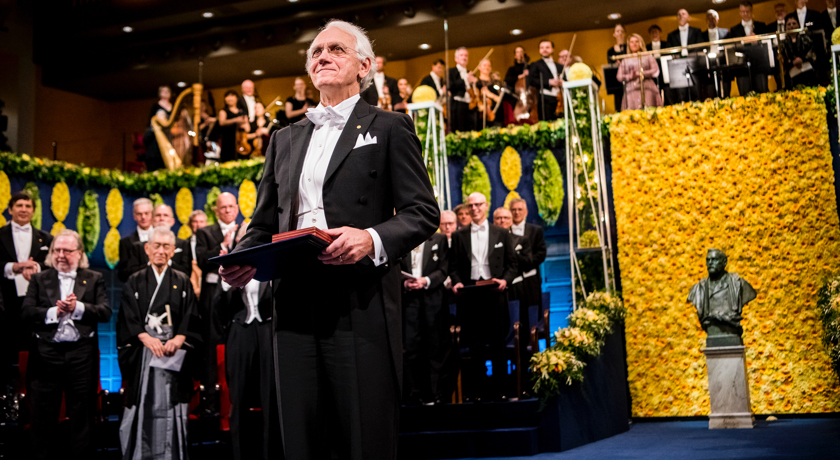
x,y
539,74
722,33
181,261
428,81
208,245
383,186
501,255
235,307
457,85
40,240
827,26
435,262
758,28
127,265
813,20
371,96
45,290
694,37
536,238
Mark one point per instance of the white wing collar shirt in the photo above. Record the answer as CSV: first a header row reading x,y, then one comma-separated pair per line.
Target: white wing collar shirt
x,y
480,241
329,123
552,67
22,237
748,27
417,264
67,331
144,235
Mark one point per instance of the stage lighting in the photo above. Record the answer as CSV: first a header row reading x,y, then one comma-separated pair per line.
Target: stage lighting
x,y
614,16
128,29
516,32
425,46
207,14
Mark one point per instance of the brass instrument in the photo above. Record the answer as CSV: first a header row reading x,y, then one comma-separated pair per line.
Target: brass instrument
x,y
170,156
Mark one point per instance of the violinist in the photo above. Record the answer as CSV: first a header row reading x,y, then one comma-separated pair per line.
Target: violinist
x,y
516,81
460,79
405,95
545,77
489,94
435,78
374,94
231,120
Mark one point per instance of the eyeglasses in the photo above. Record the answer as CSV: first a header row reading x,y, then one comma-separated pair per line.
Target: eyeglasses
x,y
335,50
475,205
156,246
64,251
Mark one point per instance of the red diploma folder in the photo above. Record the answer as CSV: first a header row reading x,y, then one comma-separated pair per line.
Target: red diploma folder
x,y
283,255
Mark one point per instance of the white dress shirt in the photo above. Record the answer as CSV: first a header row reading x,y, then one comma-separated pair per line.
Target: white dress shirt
x,y
436,79
801,14
193,242
832,14
144,234
684,35
552,67
251,102
22,237
713,34
252,293
417,264
321,146
225,229
656,46
780,25
66,331
464,72
748,27
480,241
518,230
379,81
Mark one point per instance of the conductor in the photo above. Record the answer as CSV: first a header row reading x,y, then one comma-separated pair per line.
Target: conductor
x,y
357,173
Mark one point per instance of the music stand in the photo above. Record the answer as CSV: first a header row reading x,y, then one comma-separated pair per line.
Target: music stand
x,y
759,57
682,71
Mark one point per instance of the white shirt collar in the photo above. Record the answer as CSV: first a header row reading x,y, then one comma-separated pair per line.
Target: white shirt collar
x,y
684,28
802,10
520,228
26,228
713,29
747,23
480,227
460,69
226,227
831,10
345,107
248,97
144,234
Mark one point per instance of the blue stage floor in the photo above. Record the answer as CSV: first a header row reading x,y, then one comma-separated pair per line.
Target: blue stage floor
x,y
781,439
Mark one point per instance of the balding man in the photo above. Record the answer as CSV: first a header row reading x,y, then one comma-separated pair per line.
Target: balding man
x,y
210,241
143,209
248,102
448,225
181,260
483,252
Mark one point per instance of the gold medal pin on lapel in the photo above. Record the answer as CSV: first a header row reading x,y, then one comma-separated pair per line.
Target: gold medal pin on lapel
x,y
359,127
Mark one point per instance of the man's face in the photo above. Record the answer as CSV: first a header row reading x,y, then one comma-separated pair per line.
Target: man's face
x,y
447,224
160,249
519,212
199,221
830,3
654,35
682,17
745,12
143,216
380,64
248,88
715,262
226,208
801,4
478,209
66,255
163,217
563,57
22,212
331,71
781,12
462,57
546,49
438,69
464,216
502,218
711,20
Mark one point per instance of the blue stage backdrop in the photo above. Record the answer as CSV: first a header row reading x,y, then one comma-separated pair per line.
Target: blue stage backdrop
x,y
555,270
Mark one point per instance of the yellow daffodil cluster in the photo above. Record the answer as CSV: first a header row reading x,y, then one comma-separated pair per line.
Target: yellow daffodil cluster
x,y
753,177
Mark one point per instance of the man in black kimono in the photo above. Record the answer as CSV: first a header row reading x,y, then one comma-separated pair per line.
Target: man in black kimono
x,y
156,319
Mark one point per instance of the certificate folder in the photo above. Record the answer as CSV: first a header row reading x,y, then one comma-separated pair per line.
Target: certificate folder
x,y
480,285
283,255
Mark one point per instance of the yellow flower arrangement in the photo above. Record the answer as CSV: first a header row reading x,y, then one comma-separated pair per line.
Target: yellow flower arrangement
x,y
510,166
579,71
247,199
5,195
751,176
112,247
183,209
114,214
60,206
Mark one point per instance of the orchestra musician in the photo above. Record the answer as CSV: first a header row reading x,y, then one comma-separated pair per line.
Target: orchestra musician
x,y
297,105
544,75
405,94
748,81
375,94
619,48
162,109
231,120
628,73
489,92
709,35
516,82
435,78
685,35
459,78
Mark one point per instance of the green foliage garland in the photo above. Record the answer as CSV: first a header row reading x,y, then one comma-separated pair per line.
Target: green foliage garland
x,y
231,173
210,205
87,223
157,200
548,187
542,135
476,179
32,190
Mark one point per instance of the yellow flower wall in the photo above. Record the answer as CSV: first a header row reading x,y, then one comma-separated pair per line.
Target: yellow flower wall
x,y
751,176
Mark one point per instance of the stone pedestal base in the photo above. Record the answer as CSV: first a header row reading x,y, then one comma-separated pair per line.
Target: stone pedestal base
x,y
728,391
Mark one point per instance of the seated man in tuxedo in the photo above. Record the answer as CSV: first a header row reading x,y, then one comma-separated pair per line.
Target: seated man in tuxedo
x,y
182,258
483,252
23,250
211,240
425,321
127,265
249,364
157,317
63,306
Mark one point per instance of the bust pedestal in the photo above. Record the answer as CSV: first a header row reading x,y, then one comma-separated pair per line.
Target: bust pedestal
x,y
728,391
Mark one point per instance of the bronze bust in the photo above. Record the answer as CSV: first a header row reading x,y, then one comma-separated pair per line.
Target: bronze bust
x,y
719,300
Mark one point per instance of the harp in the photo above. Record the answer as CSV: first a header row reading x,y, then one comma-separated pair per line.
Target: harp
x,y
181,125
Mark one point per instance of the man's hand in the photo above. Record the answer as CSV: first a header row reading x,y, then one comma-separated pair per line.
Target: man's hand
x,y
229,237
471,78
349,246
500,284
554,82
413,284
457,287
21,267
152,344
174,344
238,276
797,62
66,306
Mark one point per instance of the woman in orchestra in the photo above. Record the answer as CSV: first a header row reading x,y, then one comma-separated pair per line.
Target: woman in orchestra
x,y
405,94
798,53
258,135
231,120
489,88
161,109
297,105
628,73
619,48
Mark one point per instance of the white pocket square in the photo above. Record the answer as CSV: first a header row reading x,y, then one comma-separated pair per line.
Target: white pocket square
x,y
177,250
518,247
365,140
434,248
498,245
45,248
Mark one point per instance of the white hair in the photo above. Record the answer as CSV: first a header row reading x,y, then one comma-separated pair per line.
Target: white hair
x,y
165,232
364,48
140,202
714,13
83,262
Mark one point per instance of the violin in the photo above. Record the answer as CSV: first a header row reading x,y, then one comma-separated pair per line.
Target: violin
x,y
243,146
525,99
385,100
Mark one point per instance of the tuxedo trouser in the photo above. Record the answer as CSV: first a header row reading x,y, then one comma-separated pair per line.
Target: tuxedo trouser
x,y
546,107
337,386
212,334
425,344
484,322
67,368
249,366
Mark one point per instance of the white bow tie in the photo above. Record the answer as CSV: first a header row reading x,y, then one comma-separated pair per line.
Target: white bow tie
x,y
66,275
321,115
476,228
21,228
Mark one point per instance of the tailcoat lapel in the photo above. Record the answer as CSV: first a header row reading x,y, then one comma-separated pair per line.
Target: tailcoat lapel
x,y
7,240
357,123
299,137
